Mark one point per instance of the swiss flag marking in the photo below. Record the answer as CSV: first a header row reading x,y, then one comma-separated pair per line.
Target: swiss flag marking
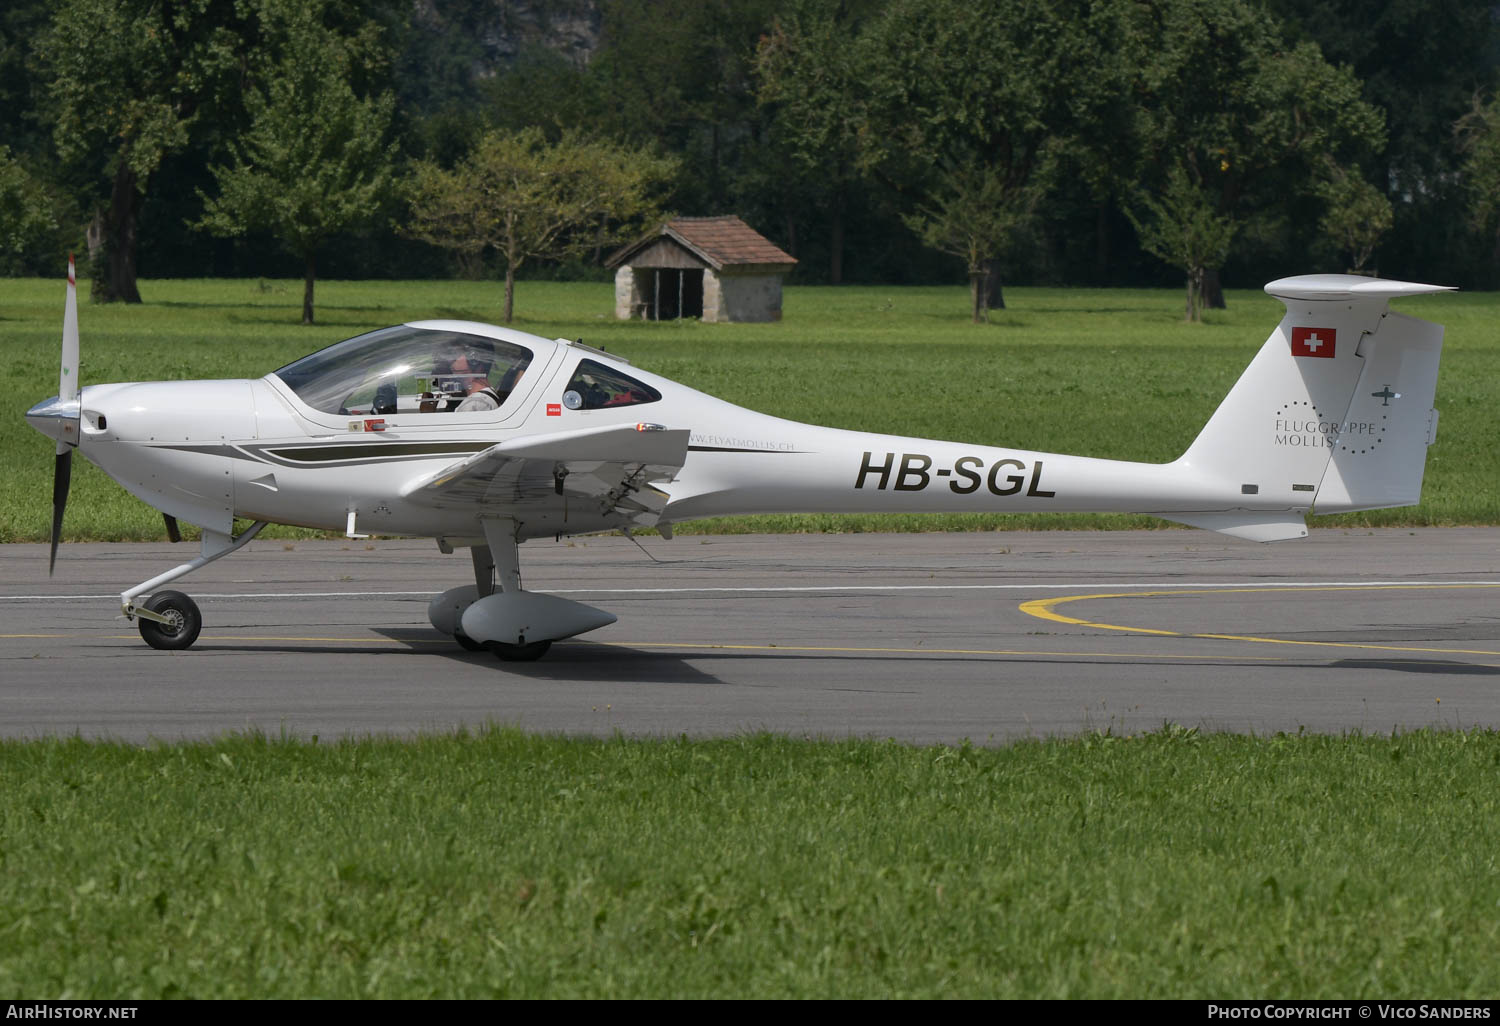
x,y
1313,342
554,409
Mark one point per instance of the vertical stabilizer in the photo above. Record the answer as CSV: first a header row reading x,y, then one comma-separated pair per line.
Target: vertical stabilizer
x,y
1336,408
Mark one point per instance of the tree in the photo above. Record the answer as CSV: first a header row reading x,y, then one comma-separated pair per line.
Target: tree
x,y
1478,134
22,23
809,77
1357,214
26,213
675,75
975,215
530,199
966,104
1225,98
1183,227
125,81
315,160
1421,63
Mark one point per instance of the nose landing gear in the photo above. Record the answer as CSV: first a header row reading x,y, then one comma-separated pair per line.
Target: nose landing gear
x,y
169,619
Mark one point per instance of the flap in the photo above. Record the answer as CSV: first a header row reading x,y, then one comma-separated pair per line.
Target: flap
x,y
616,466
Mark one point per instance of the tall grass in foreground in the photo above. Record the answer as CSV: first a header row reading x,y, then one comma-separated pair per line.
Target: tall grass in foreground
x,y
1172,864
1101,372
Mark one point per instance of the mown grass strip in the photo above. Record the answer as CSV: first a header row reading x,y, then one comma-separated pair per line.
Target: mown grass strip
x,y
1171,864
1105,372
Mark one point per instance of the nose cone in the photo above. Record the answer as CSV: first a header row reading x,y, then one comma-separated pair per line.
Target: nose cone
x,y
56,418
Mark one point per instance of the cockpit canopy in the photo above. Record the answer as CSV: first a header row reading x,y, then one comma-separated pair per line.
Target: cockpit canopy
x,y
405,370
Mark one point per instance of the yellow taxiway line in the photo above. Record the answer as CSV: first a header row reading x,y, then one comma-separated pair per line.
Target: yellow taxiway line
x,y
1045,609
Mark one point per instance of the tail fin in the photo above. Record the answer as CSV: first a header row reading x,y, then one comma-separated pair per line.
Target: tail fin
x,y
1335,410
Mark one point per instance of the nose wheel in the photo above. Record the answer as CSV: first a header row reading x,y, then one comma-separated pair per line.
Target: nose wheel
x,y
179,624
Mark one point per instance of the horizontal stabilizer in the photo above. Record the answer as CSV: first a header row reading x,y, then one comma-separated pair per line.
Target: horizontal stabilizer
x,y
1348,286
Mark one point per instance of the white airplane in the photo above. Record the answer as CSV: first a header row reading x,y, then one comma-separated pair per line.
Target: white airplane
x,y
383,433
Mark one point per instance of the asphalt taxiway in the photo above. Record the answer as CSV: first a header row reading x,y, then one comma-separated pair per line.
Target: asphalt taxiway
x,y
924,637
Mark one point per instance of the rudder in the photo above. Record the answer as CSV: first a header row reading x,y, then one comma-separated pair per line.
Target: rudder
x,y
1381,452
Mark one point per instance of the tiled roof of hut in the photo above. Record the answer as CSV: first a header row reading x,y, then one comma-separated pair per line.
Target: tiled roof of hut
x,y
719,241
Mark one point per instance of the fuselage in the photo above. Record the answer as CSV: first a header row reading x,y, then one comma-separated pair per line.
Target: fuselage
x,y
307,446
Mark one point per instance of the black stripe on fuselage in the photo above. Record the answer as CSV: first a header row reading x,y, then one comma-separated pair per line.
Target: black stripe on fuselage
x,y
338,453
346,453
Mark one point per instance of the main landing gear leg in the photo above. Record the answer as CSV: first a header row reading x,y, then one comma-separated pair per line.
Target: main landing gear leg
x,y
500,533
496,614
169,619
484,584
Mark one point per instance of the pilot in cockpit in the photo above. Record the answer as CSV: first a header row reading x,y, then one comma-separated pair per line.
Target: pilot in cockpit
x,y
491,397
474,373
464,382
471,374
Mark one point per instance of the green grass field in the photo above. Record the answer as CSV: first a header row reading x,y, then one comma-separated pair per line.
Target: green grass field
x,y
1169,865
1113,373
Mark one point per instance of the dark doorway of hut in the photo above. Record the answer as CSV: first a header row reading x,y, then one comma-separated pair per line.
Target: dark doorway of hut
x,y
675,293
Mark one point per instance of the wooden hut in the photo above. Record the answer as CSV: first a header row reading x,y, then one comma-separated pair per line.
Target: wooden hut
x,y
716,268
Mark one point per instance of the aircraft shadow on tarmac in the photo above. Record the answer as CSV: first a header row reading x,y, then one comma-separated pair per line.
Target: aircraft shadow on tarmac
x,y
1443,666
618,664
589,661
585,661
576,661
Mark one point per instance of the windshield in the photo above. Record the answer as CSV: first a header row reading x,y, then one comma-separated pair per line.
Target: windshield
x,y
407,370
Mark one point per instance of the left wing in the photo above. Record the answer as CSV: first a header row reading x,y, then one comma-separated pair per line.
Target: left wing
x,y
615,467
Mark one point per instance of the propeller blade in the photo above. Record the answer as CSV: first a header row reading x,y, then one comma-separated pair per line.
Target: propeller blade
x,y
67,378
67,389
62,477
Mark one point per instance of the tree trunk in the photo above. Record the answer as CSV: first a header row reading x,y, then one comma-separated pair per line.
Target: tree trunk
x,y
994,294
510,253
309,275
93,235
978,294
836,244
713,164
116,282
1101,243
1213,292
